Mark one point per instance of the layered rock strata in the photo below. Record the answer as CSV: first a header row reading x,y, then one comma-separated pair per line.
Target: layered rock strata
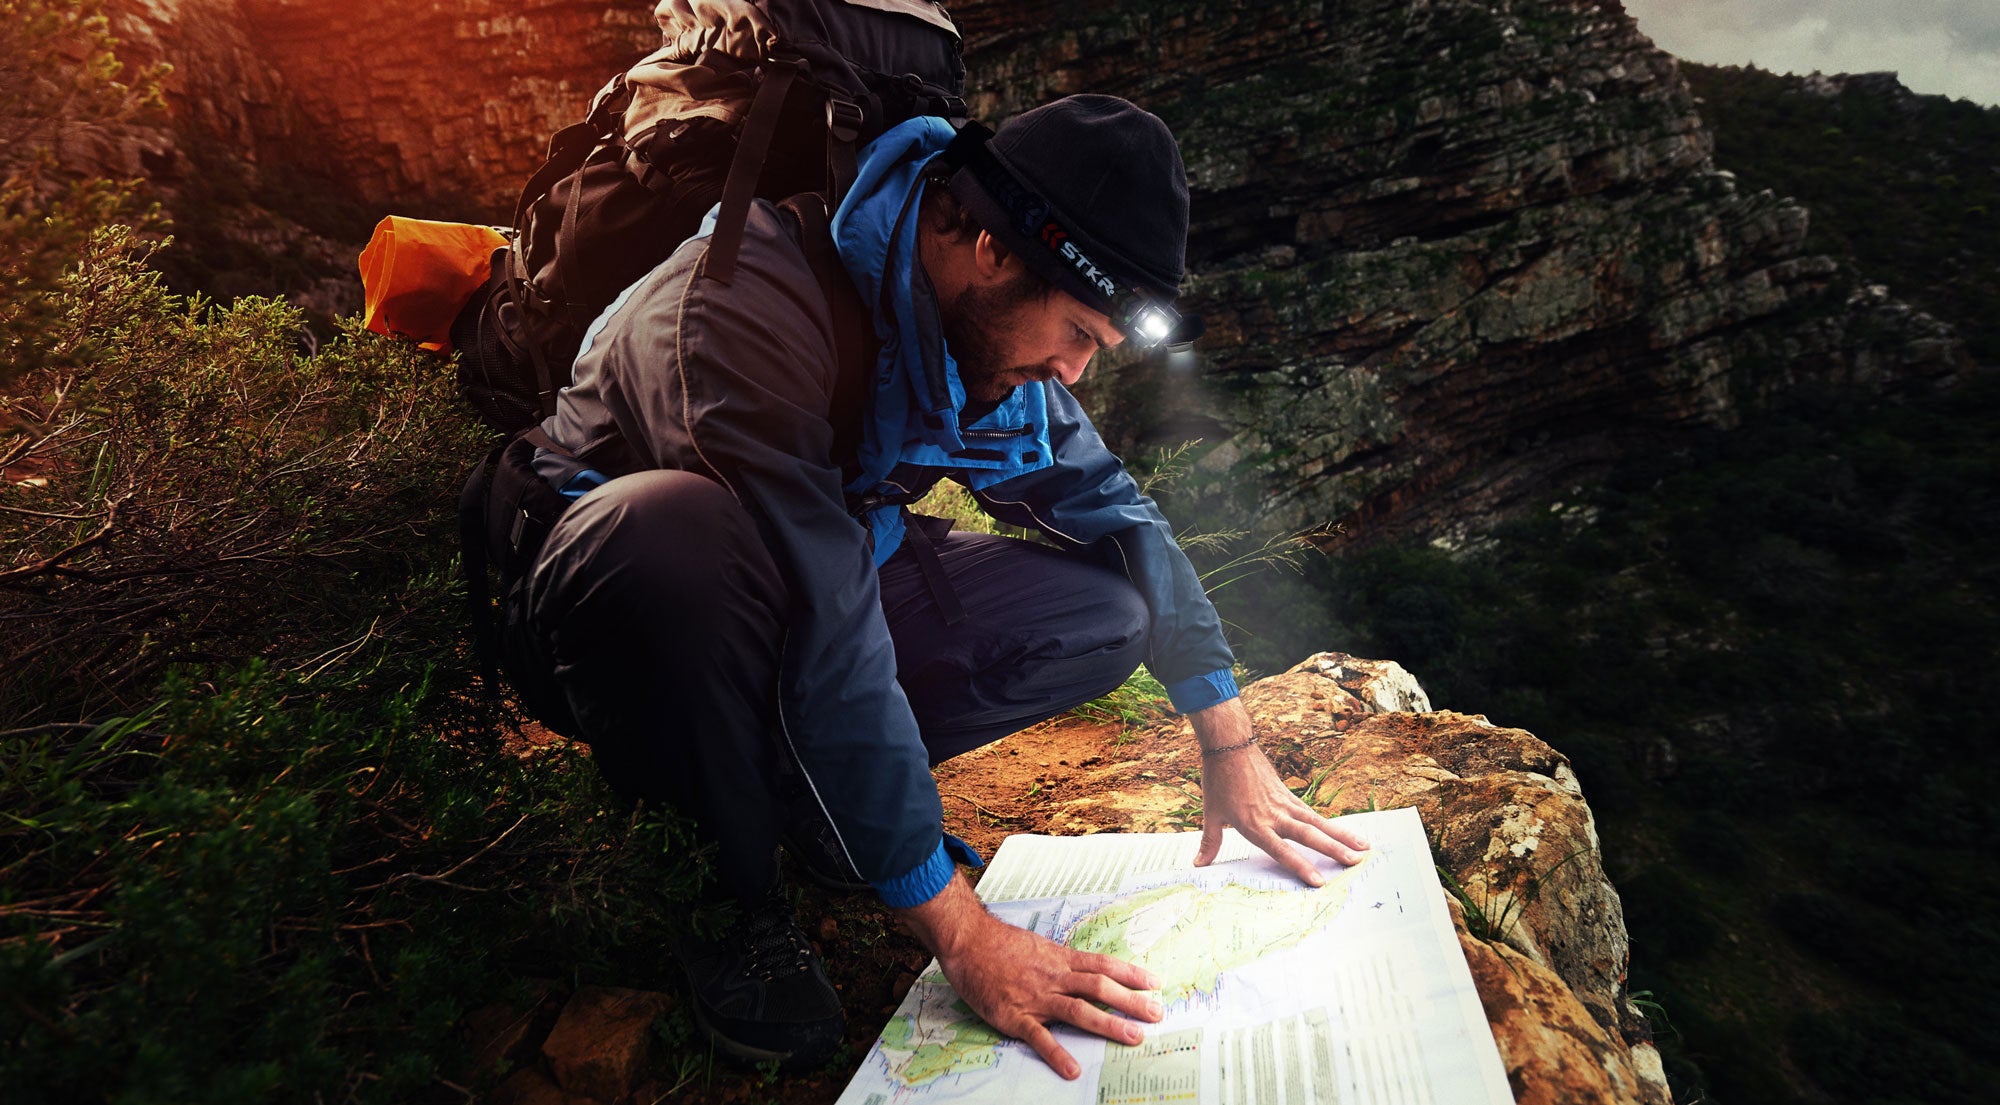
x,y
1452,252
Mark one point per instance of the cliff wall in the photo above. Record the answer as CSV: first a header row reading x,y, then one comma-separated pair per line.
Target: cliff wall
x,y
1451,251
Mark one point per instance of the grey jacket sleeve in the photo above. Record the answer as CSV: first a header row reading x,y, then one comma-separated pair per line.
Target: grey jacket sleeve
x,y
734,382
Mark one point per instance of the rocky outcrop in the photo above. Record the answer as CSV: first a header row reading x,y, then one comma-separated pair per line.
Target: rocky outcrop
x,y
1539,920
1451,251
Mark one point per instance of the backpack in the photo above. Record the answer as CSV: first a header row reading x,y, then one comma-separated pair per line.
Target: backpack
x,y
745,98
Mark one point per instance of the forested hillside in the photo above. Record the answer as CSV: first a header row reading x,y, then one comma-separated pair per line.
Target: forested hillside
x,y
1907,186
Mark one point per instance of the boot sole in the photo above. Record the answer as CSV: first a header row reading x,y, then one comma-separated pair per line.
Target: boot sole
x,y
751,1056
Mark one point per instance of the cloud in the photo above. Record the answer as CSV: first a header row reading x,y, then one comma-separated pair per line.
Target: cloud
x,y
1941,46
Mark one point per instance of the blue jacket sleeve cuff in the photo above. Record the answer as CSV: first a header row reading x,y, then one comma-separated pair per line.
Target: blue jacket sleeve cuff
x,y
918,885
922,883
1202,691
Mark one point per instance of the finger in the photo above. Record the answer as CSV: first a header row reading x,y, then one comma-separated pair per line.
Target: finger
x,y
1211,841
1350,837
1037,1036
1101,988
1275,847
1080,1014
1321,841
1118,970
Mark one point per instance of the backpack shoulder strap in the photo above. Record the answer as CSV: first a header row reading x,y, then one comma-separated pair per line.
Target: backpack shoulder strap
x,y
853,327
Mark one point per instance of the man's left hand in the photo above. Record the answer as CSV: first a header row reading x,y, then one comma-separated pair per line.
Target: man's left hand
x,y
1240,788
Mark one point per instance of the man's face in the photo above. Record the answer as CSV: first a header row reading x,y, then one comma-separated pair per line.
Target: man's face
x,y
1020,332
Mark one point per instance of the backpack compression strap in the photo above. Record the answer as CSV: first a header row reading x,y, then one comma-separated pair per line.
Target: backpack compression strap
x,y
853,350
752,148
567,152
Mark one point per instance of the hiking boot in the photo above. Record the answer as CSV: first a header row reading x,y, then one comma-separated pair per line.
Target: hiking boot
x,y
809,840
760,992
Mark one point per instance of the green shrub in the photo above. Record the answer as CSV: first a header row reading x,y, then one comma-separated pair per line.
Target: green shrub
x,y
1872,1054
258,843
195,485
247,893
59,76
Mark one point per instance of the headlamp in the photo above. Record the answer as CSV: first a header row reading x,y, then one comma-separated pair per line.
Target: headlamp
x,y
1147,321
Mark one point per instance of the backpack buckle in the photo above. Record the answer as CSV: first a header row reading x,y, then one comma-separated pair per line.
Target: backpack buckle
x,y
843,119
520,530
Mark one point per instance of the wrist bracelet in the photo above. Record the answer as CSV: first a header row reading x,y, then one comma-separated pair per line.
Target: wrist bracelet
x,y
1237,747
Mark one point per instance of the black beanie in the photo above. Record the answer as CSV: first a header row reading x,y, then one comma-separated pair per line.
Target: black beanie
x,y
1112,176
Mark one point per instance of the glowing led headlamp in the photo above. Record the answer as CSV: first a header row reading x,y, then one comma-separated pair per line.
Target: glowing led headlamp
x,y
1147,321
1148,324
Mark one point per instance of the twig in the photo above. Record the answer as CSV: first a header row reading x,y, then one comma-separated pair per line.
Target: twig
x,y
980,808
53,563
339,652
443,876
46,514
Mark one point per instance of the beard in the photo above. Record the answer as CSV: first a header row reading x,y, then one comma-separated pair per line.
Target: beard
x,y
976,322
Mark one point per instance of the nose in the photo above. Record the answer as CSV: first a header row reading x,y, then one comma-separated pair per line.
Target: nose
x,y
1068,369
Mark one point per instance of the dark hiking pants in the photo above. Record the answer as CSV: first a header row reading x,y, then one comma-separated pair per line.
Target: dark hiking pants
x,y
656,614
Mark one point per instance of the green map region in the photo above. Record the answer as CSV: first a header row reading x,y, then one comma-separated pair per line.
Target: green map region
x,y
1188,936
942,1036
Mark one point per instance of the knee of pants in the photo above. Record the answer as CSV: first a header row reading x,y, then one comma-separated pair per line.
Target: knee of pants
x,y
1123,623
649,541
1126,617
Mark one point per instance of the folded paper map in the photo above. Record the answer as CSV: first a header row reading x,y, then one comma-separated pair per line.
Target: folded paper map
x,y
1276,993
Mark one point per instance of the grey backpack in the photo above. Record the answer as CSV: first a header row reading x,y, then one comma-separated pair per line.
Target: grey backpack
x,y
744,98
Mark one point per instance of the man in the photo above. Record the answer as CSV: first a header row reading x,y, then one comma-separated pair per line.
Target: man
x,y
746,624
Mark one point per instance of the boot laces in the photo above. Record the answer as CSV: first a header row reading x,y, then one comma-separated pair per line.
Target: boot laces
x,y
774,948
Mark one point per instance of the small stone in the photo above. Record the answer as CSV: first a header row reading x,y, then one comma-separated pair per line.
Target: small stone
x,y
599,1045
829,930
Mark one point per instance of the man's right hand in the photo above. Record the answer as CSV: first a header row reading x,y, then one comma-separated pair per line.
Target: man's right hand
x,y
1020,983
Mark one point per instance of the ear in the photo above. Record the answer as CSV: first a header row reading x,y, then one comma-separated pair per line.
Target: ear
x,y
992,263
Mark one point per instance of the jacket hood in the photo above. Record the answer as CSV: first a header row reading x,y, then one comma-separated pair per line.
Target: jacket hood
x,y
914,403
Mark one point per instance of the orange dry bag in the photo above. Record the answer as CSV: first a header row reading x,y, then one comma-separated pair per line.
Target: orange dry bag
x,y
417,275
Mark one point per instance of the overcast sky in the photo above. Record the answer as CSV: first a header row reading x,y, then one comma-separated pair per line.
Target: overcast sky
x,y
1941,46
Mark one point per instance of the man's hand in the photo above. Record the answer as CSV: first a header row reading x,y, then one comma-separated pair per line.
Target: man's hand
x,y
1019,982
1240,788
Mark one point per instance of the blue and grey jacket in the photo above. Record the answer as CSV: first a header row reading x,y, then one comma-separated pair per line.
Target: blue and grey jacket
x,y
740,383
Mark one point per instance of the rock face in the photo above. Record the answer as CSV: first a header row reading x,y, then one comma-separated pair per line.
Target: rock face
x,y
1540,922
1451,251
442,104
